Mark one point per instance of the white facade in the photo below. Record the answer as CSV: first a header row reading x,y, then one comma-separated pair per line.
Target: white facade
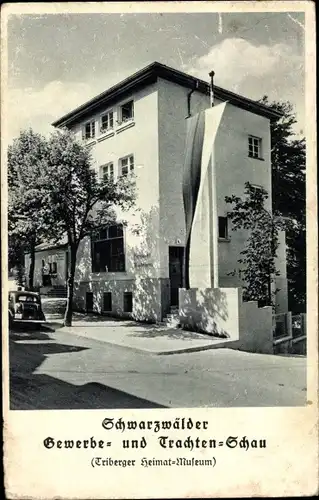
x,y
155,137
50,264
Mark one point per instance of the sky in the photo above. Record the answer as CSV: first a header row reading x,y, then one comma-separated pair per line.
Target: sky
x,y
58,61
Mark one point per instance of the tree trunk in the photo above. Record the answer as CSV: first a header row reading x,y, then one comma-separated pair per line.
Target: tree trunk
x,y
70,287
32,264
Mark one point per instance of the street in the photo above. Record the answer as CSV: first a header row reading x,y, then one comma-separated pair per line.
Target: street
x,y
60,370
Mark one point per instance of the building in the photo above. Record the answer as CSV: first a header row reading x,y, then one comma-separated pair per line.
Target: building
x,y
139,125
51,265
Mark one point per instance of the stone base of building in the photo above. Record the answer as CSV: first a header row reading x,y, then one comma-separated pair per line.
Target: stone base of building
x,y
222,312
146,299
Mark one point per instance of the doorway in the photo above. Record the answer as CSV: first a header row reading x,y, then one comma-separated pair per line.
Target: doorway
x,y
176,256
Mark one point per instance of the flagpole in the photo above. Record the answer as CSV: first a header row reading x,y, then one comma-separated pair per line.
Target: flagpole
x,y
213,243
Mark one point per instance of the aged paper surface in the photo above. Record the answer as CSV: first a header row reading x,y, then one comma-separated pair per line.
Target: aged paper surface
x,y
162,450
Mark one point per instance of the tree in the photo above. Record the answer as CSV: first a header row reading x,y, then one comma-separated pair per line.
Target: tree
x,y
28,213
288,158
16,259
80,203
258,257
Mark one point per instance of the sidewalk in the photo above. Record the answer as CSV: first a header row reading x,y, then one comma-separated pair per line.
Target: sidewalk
x,y
151,338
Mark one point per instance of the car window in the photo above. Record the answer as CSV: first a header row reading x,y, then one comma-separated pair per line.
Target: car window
x,y
27,298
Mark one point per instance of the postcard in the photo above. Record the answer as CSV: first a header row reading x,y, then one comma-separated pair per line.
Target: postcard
x,y
159,263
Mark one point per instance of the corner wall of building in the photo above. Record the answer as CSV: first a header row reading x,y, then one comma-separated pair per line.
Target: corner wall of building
x,y
222,313
233,169
172,129
141,233
210,310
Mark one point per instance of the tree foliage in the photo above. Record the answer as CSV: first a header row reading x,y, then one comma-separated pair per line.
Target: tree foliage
x,y
79,202
288,157
257,261
28,216
54,191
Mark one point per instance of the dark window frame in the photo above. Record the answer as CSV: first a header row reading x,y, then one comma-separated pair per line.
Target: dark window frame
x,y
130,116
106,176
128,302
256,187
108,301
89,130
87,302
129,168
223,230
109,119
110,256
254,147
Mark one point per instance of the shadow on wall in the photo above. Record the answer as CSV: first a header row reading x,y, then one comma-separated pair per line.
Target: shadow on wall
x,y
215,309
139,293
151,293
209,310
221,312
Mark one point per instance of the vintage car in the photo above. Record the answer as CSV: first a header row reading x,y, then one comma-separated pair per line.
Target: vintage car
x,y
25,307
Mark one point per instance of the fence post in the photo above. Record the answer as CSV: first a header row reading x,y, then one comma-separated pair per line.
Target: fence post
x,y
289,323
303,324
288,317
273,330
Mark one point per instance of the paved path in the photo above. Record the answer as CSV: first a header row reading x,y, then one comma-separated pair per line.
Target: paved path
x,y
144,337
141,337
63,370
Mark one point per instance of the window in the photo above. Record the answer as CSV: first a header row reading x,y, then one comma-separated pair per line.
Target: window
x,y
107,301
53,268
108,250
89,130
223,227
258,192
256,188
107,172
27,298
107,122
126,112
127,164
254,147
89,301
128,302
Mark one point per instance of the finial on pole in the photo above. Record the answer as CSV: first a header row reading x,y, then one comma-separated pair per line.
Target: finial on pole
x,y
212,74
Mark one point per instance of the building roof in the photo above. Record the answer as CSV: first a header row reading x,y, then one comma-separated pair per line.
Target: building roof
x,y
149,75
50,245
